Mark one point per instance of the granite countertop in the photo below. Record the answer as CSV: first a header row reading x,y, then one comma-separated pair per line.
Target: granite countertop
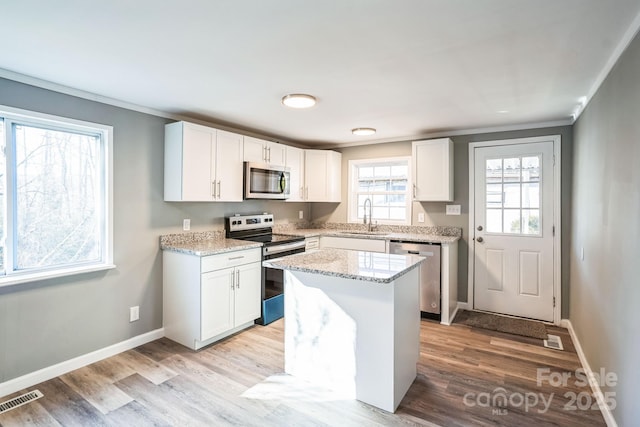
x,y
209,247
358,265
381,235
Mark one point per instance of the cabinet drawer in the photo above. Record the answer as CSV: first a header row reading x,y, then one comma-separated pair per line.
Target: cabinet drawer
x,y
312,243
230,259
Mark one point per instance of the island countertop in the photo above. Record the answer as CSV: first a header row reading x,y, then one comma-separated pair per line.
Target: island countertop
x,y
358,265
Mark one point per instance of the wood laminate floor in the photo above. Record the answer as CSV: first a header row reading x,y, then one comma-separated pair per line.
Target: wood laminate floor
x,y
462,373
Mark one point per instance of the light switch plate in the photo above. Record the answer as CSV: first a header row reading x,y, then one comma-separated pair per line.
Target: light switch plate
x,y
453,209
421,217
134,313
186,224
300,214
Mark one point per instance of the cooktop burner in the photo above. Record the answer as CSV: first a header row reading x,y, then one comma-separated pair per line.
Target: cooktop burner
x,y
256,228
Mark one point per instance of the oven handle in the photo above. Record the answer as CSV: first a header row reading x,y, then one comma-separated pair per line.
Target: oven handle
x,y
269,250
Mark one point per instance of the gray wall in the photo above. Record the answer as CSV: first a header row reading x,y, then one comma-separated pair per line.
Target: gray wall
x,y
47,322
605,290
435,212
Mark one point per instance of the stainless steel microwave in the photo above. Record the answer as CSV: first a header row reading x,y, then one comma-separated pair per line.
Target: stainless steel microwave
x,y
265,181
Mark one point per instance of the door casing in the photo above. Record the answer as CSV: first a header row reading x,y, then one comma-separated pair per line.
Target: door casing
x,y
557,215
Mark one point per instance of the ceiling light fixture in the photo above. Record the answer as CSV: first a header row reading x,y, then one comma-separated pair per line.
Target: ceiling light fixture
x,y
363,131
299,100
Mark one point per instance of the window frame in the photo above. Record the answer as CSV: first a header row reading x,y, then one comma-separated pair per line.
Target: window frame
x,y
12,115
352,199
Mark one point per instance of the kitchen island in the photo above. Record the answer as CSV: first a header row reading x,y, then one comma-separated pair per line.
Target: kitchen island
x,y
352,322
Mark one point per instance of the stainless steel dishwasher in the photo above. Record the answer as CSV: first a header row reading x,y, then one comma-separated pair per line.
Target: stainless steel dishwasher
x,y
429,271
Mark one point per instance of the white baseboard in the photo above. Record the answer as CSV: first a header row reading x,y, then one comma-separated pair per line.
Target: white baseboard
x,y
452,315
463,306
61,368
593,382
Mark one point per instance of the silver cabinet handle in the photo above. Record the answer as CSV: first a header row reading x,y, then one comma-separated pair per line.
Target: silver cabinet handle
x,y
236,257
414,191
306,193
213,189
238,279
302,193
233,278
219,192
269,155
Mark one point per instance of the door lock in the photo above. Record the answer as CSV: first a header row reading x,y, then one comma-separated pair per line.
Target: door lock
x,y
479,239
479,228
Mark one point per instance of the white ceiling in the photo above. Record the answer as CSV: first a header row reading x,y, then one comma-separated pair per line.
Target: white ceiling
x,y
406,67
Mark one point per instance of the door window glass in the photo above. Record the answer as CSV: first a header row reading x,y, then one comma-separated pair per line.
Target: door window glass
x,y
513,195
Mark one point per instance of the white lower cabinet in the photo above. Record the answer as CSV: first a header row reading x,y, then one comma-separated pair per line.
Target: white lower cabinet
x,y
208,298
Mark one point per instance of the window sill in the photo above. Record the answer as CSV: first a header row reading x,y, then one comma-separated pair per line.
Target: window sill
x,y
16,279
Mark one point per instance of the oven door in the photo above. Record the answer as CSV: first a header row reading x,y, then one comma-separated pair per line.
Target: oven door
x,y
273,282
264,181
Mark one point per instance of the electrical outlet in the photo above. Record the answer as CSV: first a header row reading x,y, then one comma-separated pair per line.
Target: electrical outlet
x,y
421,217
134,313
300,214
186,224
453,209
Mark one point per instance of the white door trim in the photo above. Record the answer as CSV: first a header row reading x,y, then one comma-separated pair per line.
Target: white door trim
x,y
557,215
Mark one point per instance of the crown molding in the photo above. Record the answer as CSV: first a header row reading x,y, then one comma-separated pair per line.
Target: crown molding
x,y
67,90
626,40
458,132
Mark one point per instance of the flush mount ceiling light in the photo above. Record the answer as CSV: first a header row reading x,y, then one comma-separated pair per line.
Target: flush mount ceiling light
x,y
363,131
299,100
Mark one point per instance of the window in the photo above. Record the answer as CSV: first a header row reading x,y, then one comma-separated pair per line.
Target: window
x,y
54,196
386,183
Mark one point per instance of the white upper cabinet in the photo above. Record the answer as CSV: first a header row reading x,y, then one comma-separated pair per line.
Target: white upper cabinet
x,y
295,162
322,172
262,151
433,170
229,171
202,164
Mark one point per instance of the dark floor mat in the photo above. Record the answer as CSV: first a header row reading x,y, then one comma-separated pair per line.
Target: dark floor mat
x,y
510,325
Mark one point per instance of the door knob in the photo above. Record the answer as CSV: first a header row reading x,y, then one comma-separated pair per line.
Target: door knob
x,y
479,228
479,239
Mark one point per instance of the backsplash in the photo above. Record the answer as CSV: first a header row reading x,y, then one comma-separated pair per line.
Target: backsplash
x,y
191,237
198,236
410,229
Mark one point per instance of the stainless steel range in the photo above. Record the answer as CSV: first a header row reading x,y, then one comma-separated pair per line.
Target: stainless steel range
x,y
259,228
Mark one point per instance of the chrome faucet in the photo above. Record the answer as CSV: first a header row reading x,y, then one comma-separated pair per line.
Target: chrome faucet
x,y
365,213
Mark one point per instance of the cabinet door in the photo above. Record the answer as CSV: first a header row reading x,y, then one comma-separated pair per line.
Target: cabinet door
x,y
315,176
322,173
228,163
197,160
433,170
295,161
248,293
254,150
216,301
276,153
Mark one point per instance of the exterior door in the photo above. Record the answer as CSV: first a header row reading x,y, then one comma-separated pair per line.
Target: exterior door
x,y
514,230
